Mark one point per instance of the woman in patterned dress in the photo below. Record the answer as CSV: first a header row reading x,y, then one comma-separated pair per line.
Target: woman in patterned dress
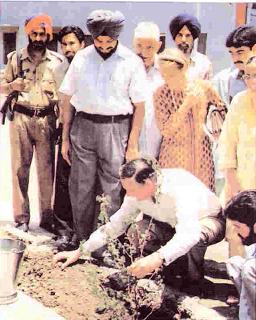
x,y
181,109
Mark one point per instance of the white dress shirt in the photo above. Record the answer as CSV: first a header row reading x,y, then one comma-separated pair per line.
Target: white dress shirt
x,y
150,137
106,87
182,201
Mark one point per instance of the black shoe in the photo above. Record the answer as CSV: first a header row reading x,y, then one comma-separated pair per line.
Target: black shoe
x,y
68,245
22,226
192,288
62,242
49,227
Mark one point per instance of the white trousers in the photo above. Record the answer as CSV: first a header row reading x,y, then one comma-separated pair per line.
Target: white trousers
x,y
243,273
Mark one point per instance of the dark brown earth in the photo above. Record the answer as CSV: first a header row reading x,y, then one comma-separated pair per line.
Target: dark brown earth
x,y
76,293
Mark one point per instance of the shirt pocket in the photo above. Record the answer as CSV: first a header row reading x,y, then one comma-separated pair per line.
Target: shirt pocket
x,y
48,85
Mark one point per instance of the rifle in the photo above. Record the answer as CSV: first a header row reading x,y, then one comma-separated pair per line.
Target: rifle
x,y
8,107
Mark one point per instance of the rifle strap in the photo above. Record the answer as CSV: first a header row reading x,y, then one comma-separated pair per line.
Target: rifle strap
x,y
19,65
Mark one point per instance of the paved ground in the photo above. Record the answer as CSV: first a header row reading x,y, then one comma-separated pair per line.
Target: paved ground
x,y
5,181
27,308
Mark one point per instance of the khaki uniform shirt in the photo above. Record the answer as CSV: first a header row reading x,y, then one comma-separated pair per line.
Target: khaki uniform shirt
x,y
60,72
41,89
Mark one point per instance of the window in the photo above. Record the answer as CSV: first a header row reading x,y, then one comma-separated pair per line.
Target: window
x,y
9,42
8,36
202,39
251,13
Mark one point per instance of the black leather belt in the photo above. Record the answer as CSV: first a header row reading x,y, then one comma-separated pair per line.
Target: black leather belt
x,y
34,112
98,118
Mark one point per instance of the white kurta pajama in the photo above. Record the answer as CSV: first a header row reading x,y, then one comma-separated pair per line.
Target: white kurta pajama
x,y
242,271
150,136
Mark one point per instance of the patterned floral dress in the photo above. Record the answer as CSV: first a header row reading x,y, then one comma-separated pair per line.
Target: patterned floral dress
x,y
181,116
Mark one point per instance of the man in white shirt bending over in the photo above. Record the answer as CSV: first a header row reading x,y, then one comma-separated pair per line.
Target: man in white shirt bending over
x,y
175,199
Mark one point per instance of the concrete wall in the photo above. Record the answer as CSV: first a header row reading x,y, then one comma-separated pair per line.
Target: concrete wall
x,y
217,19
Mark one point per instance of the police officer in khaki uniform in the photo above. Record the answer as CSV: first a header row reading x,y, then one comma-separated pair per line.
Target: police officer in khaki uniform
x,y
34,123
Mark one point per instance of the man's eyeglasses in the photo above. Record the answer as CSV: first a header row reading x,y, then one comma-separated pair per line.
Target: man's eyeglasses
x,y
249,76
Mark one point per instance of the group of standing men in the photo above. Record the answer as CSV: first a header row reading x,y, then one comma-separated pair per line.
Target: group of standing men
x,y
106,117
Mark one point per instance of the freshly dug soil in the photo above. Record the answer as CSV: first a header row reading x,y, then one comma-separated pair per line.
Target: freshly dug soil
x,y
77,293
74,293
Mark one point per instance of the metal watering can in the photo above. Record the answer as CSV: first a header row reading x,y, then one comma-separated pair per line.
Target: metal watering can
x,y
11,252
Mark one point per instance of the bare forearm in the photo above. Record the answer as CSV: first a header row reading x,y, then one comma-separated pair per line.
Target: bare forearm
x,y
138,118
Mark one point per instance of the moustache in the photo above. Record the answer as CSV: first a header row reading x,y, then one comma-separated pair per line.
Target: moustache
x,y
238,62
69,54
38,45
184,45
107,49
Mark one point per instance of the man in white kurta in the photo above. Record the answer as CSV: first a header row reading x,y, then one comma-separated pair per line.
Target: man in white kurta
x,y
146,43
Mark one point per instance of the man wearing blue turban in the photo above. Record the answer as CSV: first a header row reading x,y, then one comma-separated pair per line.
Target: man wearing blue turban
x,y
106,84
185,29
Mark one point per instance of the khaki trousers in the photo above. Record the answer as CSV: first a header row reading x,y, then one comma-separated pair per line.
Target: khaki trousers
x,y
29,135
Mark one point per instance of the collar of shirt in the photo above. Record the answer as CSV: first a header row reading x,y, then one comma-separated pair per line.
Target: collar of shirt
x,y
236,73
240,74
120,51
155,66
193,57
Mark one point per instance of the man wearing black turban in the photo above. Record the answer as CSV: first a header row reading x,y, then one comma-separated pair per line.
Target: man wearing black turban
x,y
184,29
106,84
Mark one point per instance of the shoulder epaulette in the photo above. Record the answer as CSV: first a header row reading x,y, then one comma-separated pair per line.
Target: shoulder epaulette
x,y
10,55
57,55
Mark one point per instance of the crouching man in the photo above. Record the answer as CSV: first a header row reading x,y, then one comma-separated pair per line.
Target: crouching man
x,y
241,266
187,217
